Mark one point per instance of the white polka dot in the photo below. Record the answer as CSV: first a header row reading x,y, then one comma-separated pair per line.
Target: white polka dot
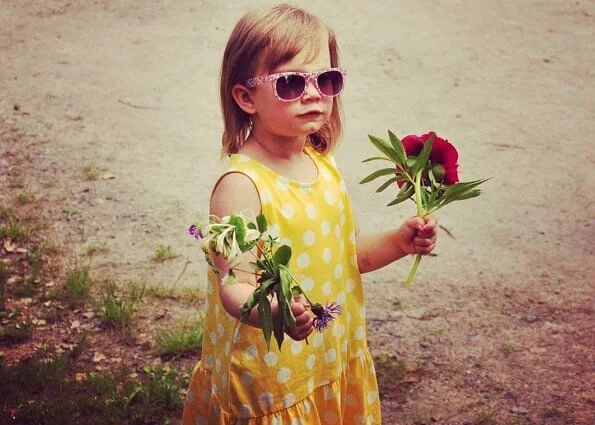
x,y
284,375
252,174
328,393
208,361
213,337
296,347
272,231
327,255
349,285
311,211
296,421
325,174
265,399
271,359
372,396
326,288
311,361
245,411
362,311
213,389
325,227
227,348
330,355
330,417
282,183
329,197
220,329
247,379
236,335
285,241
307,284
351,400
309,238
218,365
217,311
265,197
303,260
359,333
317,340
224,380
306,406
340,298
289,400
341,206
288,211
339,330
251,352
310,385
338,271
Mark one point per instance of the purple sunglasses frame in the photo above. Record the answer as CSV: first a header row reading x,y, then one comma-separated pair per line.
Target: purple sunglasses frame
x,y
255,81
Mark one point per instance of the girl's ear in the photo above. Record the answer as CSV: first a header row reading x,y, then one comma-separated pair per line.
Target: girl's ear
x,y
243,97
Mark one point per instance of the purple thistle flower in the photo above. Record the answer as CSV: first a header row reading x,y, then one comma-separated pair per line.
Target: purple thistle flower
x,y
325,315
194,231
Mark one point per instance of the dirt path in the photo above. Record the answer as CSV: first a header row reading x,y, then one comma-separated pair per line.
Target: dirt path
x,y
498,326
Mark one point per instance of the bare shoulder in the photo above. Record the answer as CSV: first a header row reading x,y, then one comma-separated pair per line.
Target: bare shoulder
x,y
234,193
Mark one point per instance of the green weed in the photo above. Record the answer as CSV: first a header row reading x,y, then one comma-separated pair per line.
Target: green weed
x,y
186,338
77,288
91,172
163,253
116,311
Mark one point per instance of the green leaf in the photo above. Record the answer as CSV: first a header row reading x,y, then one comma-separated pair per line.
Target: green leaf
x,y
384,147
282,255
251,225
261,221
399,148
238,223
411,161
376,158
406,192
460,191
386,184
266,318
278,328
378,173
424,155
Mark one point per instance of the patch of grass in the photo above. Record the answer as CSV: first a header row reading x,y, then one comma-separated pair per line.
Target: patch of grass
x,y
18,183
116,311
163,253
186,338
23,198
91,172
77,288
485,417
98,248
509,349
17,333
49,391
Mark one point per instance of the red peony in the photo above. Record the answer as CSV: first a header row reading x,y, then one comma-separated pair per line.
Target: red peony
x,y
443,158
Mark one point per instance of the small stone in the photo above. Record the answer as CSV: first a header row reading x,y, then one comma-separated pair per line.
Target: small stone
x,y
26,301
519,410
75,324
88,314
97,357
530,318
50,284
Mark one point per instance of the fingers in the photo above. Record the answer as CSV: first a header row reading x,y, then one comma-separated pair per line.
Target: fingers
x,y
304,321
423,245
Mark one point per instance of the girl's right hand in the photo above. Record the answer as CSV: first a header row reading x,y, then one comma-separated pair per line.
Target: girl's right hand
x,y
304,320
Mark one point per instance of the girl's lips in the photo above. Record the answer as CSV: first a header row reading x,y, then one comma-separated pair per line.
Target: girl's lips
x,y
311,114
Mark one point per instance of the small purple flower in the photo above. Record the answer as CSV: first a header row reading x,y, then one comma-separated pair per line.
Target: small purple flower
x,y
194,231
325,315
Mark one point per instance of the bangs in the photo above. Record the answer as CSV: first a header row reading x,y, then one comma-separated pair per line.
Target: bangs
x,y
300,33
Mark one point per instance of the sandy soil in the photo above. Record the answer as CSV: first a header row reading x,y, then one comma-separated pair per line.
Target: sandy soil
x,y
498,326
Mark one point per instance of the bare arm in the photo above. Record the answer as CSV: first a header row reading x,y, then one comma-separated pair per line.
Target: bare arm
x,y
377,250
235,193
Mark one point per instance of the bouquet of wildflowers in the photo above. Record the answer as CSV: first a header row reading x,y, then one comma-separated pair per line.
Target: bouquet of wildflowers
x,y
232,236
425,170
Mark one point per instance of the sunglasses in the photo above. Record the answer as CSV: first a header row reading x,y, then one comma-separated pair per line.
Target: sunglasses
x,y
290,86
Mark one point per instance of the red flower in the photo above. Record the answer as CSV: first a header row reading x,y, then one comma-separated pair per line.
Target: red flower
x,y
443,158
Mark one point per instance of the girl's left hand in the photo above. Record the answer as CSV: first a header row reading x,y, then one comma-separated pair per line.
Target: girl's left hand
x,y
417,235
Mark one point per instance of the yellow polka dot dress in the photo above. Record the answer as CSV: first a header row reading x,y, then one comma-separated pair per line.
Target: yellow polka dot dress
x,y
330,379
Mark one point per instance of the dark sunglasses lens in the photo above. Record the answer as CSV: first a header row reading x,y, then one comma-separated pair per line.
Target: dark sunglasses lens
x,y
290,87
330,83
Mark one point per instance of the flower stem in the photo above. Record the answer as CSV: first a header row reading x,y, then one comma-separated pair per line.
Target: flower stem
x,y
420,213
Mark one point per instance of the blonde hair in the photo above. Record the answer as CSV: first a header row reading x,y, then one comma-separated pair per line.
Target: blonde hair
x,y
268,39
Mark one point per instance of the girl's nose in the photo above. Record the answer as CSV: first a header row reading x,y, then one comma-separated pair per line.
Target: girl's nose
x,y
310,91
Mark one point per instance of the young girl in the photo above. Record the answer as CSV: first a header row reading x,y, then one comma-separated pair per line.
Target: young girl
x,y
280,82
